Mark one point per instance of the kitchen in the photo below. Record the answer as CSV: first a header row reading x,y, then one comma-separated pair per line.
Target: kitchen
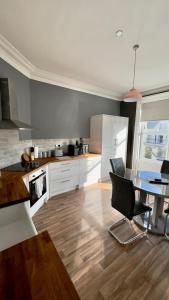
x,y
84,150
64,167
46,155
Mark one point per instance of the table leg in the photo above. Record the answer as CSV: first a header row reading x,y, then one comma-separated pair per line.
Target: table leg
x,y
142,197
157,209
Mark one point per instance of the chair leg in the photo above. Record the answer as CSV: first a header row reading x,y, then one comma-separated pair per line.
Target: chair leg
x,y
148,222
129,241
165,236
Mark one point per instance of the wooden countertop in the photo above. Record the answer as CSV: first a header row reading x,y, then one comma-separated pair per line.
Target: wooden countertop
x,y
12,187
48,160
33,270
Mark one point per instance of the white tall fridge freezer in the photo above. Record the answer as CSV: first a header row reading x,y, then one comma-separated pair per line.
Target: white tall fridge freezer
x,y
108,137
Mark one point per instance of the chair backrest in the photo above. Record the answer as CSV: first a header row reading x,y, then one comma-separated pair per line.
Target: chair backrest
x,y
123,195
165,167
117,165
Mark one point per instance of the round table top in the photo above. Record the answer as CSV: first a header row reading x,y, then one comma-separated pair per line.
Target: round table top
x,y
141,182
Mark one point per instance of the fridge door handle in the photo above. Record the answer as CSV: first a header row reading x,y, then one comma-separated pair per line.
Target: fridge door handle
x,y
115,141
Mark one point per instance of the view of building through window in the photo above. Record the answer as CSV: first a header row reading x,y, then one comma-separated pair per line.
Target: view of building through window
x,y
154,140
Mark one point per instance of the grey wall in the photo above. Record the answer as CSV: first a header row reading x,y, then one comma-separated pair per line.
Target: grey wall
x,y
56,112
22,85
63,113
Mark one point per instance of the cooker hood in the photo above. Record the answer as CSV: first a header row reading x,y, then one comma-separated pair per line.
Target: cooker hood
x,y
8,107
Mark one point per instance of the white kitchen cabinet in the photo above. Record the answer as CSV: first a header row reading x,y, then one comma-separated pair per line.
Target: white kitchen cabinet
x,y
89,170
15,225
72,174
108,137
107,154
63,176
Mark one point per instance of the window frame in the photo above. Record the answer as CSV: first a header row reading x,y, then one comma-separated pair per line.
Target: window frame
x,y
145,131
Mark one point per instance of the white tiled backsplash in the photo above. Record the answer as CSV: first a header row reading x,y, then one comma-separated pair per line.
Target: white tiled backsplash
x,y
49,144
11,147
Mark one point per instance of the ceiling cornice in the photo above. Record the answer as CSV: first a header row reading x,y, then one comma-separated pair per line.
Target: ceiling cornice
x,y
66,82
12,56
160,96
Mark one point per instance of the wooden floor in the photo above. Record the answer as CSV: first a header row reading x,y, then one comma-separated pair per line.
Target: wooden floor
x,y
98,266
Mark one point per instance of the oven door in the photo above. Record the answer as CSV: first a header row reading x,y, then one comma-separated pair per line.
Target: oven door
x,y
37,188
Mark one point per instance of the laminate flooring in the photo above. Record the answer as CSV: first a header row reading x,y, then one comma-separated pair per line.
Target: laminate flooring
x,y
99,267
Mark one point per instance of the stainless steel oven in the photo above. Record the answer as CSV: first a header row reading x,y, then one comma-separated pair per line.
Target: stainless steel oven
x,y
37,186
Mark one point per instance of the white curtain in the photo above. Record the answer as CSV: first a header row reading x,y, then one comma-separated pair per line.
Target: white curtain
x,y
136,144
156,110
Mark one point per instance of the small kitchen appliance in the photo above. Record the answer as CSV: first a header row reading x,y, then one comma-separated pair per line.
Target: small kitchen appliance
x,y
85,148
58,151
73,150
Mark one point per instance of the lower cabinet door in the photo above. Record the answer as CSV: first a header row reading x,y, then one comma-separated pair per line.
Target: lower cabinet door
x,y
62,185
86,179
90,171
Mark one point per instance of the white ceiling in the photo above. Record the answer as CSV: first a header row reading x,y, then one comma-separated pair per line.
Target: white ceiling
x,y
75,38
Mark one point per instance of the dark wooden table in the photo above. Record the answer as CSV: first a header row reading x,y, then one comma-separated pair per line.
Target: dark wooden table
x,y
33,270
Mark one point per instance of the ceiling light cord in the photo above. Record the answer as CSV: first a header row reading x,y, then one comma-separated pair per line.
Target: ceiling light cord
x,y
133,94
135,47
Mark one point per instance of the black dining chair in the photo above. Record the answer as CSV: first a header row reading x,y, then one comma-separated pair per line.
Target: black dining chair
x,y
165,224
117,165
165,167
123,200
165,170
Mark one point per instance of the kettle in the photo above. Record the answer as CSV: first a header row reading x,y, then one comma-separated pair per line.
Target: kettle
x,y
58,151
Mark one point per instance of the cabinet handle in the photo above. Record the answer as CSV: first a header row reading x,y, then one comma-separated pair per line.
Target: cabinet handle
x,y
65,164
64,181
65,170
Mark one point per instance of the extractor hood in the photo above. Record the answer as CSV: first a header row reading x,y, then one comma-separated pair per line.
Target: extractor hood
x,y
8,107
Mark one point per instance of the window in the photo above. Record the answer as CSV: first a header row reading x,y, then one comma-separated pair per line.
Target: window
x,y
154,140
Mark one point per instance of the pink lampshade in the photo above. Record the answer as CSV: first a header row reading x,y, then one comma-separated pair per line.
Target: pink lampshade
x,y
133,95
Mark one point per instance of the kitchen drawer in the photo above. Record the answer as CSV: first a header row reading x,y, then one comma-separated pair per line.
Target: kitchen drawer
x,y
64,172
59,174
62,185
63,165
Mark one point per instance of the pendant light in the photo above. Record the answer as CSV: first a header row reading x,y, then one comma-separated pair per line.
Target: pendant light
x,y
133,95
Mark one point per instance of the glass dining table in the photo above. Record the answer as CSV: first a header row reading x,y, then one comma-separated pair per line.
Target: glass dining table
x,y
160,192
